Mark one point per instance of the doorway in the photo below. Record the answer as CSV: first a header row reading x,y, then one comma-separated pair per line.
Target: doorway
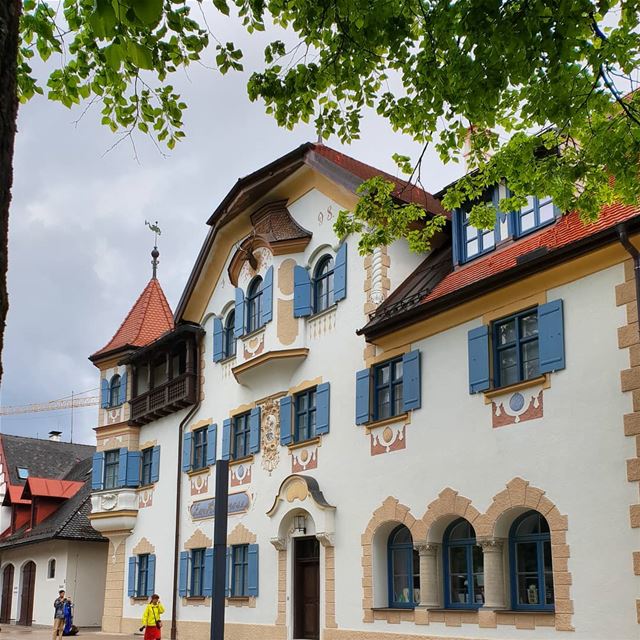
x,y
306,588
27,592
7,594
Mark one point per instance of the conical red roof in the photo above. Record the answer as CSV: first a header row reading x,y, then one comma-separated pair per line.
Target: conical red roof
x,y
149,318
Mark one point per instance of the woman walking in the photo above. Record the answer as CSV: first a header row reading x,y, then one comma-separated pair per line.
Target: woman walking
x,y
151,622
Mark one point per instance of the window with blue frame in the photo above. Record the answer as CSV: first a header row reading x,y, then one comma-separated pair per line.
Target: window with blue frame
x,y
536,213
323,285
387,389
199,454
463,567
146,461
254,305
240,570
404,569
143,574
530,562
473,242
114,391
228,339
516,348
197,573
111,467
241,436
305,415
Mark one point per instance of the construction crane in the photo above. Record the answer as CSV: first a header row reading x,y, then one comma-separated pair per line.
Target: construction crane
x,y
54,405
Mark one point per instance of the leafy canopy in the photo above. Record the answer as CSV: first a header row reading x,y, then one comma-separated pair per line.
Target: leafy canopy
x,y
443,72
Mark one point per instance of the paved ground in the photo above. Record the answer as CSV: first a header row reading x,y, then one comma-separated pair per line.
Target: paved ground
x,y
14,632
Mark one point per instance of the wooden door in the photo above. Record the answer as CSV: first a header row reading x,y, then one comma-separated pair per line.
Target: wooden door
x,y
26,595
306,589
7,593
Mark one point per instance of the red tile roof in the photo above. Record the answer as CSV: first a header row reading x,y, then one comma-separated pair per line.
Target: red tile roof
x,y
403,191
50,488
149,318
567,230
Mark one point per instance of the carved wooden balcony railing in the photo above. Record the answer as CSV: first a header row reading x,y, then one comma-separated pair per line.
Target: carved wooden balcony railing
x,y
165,399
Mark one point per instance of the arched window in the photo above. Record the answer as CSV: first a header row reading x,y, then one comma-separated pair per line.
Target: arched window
x,y
51,569
530,562
228,339
114,391
254,305
404,570
323,284
463,567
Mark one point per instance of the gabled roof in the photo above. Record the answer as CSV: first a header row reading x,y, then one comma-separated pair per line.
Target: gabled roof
x,y
14,496
443,289
50,488
148,319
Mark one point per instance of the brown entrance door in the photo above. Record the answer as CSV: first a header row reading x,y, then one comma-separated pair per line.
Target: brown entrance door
x,y
7,593
26,595
306,589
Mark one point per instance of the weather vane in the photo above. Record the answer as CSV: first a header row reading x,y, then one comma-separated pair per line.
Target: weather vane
x,y
155,253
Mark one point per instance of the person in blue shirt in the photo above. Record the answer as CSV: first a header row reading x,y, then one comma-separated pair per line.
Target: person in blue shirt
x,y
58,615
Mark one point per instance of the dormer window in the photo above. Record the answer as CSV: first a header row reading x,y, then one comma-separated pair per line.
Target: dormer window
x,y
537,213
254,305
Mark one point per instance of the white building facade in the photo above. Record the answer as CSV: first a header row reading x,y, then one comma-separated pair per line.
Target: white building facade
x,y
466,467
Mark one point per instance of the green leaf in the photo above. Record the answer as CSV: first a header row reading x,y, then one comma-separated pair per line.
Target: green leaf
x,y
221,6
140,55
148,11
113,55
103,19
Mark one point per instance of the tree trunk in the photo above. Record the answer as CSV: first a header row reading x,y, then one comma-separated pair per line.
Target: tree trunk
x,y
10,11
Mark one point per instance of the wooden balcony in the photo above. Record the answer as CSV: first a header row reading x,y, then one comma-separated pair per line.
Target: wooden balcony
x,y
165,399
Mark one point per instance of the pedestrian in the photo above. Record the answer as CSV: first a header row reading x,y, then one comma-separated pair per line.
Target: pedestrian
x,y
58,615
151,622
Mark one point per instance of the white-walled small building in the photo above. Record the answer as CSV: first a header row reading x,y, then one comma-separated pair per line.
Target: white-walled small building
x,y
420,446
47,543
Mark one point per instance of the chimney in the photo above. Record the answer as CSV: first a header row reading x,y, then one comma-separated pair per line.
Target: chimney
x,y
55,436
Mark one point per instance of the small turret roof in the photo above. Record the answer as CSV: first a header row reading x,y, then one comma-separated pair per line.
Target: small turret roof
x,y
149,318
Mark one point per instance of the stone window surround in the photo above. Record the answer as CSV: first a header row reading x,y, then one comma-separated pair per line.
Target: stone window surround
x,y
518,494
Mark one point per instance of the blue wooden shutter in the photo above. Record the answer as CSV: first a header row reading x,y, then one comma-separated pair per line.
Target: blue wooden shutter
x,y
301,292
151,575
286,433
122,467
155,463
212,443
363,388
478,346
227,579
105,393
226,439
238,327
340,273
456,231
322,408
131,582
411,383
183,574
266,313
218,340
97,471
207,587
133,469
252,585
186,451
254,434
122,394
551,336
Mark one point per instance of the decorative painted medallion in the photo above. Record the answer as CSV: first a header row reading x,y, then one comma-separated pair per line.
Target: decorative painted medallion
x,y
254,346
270,434
199,483
241,473
304,458
387,438
513,408
145,498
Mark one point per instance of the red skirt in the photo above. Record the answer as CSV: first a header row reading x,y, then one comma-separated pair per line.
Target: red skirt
x,y
151,633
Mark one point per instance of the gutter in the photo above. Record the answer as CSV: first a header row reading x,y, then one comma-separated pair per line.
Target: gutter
x,y
623,236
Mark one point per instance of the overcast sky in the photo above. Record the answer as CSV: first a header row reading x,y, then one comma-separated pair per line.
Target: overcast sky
x,y
78,246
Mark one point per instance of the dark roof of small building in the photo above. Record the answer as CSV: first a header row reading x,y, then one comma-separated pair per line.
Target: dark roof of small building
x,y
69,522
41,458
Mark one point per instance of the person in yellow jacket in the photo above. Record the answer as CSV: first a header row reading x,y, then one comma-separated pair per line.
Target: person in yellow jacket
x,y
151,622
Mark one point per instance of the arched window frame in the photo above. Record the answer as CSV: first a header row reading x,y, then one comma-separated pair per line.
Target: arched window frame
x,y
540,539
322,299
254,305
412,560
51,569
470,547
228,339
114,390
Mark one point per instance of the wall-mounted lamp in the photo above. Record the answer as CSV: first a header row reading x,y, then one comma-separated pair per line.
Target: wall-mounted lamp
x,y
300,524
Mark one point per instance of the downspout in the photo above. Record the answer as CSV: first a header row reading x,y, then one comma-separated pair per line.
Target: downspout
x,y
176,543
623,236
